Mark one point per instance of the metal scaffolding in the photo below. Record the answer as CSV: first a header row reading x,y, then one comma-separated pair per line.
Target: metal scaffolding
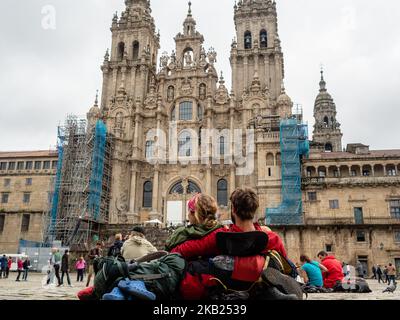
x,y
294,145
82,185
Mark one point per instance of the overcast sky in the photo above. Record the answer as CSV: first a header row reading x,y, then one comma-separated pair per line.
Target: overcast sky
x,y
46,74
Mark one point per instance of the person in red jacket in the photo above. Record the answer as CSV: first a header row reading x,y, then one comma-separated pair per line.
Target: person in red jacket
x,y
245,203
20,267
334,267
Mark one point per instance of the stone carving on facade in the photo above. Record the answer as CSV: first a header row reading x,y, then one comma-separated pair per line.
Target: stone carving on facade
x,y
221,96
164,61
186,87
121,204
173,63
202,61
170,94
202,91
151,99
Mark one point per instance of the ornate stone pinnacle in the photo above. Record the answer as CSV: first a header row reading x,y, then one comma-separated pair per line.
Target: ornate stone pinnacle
x,y
190,8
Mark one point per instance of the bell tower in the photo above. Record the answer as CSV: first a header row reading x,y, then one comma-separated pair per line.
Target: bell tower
x,y
327,134
132,62
256,51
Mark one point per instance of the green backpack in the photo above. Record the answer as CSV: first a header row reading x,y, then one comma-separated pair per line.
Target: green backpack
x,y
110,270
162,276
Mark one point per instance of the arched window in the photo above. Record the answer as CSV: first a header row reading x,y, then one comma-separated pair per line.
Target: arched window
x,y
222,192
186,111
149,149
270,160
173,117
263,39
326,121
185,144
177,188
147,194
192,188
247,40
121,50
328,147
135,50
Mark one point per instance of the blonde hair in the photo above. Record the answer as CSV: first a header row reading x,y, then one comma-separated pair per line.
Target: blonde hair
x,y
206,210
118,236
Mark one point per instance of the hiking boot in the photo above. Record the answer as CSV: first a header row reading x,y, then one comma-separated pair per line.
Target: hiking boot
x,y
115,295
285,284
136,289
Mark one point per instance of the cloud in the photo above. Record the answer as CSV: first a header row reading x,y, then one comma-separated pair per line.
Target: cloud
x,y
47,74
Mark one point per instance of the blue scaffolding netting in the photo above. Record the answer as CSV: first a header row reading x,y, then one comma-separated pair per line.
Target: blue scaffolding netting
x,y
294,144
97,170
56,194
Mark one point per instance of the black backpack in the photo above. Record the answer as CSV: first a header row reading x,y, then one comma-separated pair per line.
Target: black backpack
x,y
110,270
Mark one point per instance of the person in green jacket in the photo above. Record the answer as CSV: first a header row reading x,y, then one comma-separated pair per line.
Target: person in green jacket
x,y
202,218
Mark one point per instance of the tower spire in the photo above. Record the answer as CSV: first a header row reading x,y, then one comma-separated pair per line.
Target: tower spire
x,y
96,101
190,9
322,83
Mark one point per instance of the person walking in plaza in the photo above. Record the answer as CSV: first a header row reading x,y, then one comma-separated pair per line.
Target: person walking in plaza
x,y
115,249
359,269
26,265
80,269
65,268
20,268
3,266
374,269
96,252
56,264
9,264
379,274
391,272
385,275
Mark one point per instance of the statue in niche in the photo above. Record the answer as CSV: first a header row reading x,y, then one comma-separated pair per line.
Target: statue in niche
x,y
202,91
119,120
188,59
171,94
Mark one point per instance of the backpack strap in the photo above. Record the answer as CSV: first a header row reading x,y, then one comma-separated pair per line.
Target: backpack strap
x,y
147,277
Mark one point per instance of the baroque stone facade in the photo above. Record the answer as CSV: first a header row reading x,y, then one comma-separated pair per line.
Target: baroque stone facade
x,y
187,93
26,181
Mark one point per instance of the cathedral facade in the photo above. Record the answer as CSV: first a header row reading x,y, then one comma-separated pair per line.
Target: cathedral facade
x,y
188,94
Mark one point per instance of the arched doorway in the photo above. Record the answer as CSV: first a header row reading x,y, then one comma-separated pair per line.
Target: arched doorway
x,y
177,198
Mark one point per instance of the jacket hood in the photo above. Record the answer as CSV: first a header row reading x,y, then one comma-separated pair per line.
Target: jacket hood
x,y
137,240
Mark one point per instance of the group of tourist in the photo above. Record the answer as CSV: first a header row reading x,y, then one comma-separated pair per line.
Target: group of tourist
x,y
385,275
23,266
61,263
202,238
5,266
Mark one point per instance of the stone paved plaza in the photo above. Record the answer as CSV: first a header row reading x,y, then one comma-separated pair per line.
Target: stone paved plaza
x,y
35,290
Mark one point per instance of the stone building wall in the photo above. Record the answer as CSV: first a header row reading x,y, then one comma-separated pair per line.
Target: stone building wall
x,y
38,184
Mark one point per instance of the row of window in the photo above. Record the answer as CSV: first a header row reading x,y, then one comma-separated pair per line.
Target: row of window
x,y
185,146
28,165
26,197
354,171
394,206
248,39
26,219
7,182
135,50
222,191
